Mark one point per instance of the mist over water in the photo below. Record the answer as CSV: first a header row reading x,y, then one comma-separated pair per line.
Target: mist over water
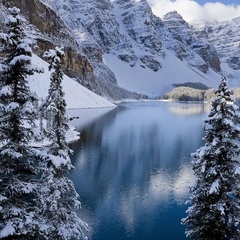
x,y
132,168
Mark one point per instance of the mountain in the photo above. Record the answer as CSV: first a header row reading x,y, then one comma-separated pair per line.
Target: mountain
x,y
139,47
199,53
226,39
120,49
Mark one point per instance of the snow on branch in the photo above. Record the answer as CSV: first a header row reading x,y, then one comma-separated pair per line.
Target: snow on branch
x,y
8,230
20,58
214,187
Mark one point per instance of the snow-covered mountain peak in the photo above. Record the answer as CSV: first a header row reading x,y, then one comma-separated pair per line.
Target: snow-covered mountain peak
x,y
174,16
226,38
139,24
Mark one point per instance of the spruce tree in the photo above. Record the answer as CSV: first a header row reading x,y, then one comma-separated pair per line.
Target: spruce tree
x,y
59,197
18,160
214,213
56,104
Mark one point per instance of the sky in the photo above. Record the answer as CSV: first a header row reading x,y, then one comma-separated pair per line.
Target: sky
x,y
198,10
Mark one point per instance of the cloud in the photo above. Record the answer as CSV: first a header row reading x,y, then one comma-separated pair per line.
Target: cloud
x,y
192,11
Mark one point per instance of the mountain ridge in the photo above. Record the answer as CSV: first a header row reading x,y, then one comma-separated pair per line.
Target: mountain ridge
x,y
130,52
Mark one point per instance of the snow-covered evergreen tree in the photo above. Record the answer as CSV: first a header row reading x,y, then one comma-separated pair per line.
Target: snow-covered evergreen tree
x,y
18,161
56,104
59,197
214,212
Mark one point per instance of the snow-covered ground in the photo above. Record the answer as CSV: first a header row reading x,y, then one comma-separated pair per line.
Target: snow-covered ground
x,y
71,136
76,95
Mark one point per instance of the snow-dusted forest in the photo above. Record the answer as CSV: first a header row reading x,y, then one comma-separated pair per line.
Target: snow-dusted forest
x,y
37,199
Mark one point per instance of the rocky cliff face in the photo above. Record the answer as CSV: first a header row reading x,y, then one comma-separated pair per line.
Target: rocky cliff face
x,y
180,38
140,26
225,36
48,30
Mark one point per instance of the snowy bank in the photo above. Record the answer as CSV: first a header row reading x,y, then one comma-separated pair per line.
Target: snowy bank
x,y
76,95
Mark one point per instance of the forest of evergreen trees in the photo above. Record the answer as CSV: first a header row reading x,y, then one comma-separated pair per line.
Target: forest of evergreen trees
x,y
37,199
196,92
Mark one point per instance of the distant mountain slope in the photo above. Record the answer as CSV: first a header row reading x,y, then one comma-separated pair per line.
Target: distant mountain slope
x,y
225,36
76,95
152,83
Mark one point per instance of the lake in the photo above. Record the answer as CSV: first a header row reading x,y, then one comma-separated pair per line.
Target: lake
x,y
133,168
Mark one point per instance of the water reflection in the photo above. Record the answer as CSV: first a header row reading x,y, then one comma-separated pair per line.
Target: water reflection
x,y
184,109
82,118
133,172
